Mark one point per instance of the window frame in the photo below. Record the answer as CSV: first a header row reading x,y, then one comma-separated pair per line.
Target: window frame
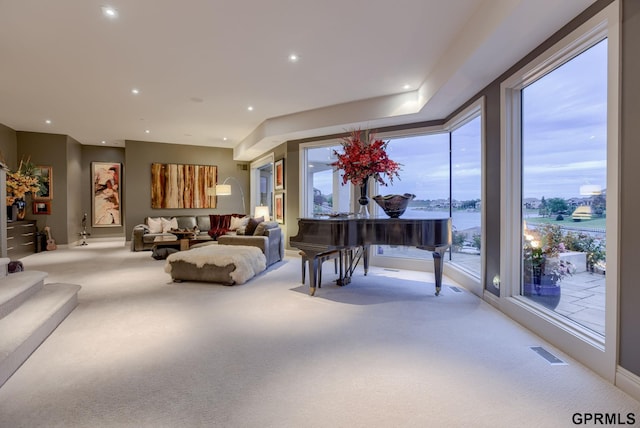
x,y
254,183
305,196
592,349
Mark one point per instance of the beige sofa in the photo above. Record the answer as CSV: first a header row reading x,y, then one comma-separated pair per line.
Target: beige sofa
x,y
143,236
267,236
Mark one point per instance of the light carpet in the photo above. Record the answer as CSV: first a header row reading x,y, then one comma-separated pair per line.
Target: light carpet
x,y
141,351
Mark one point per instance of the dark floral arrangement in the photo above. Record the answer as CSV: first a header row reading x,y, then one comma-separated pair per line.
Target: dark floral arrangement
x,y
364,157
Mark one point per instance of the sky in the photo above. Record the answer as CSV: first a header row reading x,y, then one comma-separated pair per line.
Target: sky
x,y
564,141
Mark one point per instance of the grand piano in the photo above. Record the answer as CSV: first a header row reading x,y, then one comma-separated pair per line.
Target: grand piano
x,y
317,237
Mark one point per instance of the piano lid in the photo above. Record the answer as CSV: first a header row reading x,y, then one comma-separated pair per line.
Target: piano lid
x,y
348,232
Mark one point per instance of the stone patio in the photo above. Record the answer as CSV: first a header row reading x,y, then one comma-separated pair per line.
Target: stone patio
x,y
583,300
582,294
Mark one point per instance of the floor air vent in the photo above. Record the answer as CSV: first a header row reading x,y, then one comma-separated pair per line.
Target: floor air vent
x,y
456,289
552,359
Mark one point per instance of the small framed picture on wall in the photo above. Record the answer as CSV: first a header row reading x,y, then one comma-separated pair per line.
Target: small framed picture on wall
x,y
42,207
279,207
279,174
45,183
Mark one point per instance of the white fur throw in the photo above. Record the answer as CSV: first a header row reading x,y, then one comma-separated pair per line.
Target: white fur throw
x,y
249,261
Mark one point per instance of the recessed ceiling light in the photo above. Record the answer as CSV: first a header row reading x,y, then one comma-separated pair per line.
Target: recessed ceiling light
x,y
250,108
146,131
406,86
48,121
135,91
294,58
109,12
103,142
224,138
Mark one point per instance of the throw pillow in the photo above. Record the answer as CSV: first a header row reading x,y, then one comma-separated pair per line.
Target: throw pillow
x,y
155,224
264,226
168,224
237,222
252,224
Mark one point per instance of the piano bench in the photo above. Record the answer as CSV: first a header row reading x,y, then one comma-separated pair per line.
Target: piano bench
x,y
322,257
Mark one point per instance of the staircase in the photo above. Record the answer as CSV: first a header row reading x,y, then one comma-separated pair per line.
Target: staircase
x,y
29,311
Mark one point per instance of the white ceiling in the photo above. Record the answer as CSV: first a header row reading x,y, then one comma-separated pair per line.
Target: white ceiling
x,y
200,63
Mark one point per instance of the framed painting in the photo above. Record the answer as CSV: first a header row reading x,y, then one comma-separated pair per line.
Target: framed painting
x,y
183,186
106,188
42,207
279,207
45,182
279,175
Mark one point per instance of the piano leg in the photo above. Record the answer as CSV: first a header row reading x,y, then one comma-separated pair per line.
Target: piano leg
x,y
314,265
438,263
365,259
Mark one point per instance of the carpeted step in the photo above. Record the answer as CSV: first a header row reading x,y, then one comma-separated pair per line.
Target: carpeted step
x,y
26,327
17,288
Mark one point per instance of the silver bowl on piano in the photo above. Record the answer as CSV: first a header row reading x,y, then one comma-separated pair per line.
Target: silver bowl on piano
x,y
394,205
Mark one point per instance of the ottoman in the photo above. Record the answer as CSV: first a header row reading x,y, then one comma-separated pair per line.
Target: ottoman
x,y
223,264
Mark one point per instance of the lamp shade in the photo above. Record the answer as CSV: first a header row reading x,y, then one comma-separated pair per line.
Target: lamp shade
x,y
223,189
262,211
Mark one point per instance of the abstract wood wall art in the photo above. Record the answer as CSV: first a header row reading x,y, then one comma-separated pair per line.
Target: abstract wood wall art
x,y
106,186
182,186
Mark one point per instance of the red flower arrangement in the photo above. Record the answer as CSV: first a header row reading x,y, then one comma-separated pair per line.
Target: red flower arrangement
x,y
364,158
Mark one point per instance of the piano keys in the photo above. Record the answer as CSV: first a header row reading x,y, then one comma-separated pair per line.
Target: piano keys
x,y
317,236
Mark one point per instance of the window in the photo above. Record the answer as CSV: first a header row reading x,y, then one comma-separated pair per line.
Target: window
x,y
444,171
559,192
564,173
442,166
323,192
262,183
424,173
466,196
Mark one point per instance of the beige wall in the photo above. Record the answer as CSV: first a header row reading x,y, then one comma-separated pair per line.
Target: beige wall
x,y
8,146
629,195
139,156
74,190
49,150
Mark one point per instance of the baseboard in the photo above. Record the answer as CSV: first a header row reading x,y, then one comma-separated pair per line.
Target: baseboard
x,y
628,382
491,298
78,242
